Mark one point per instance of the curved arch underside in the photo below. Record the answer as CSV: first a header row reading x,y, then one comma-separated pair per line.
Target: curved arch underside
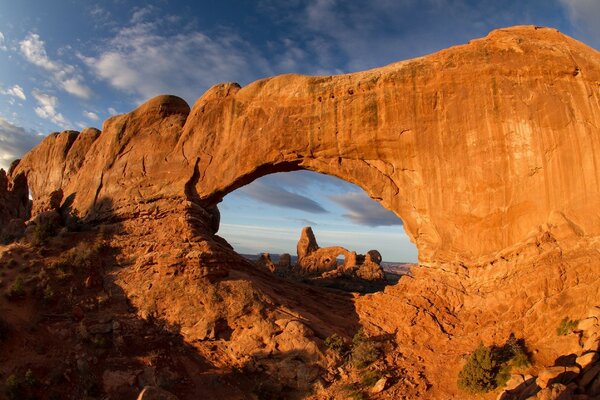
x,y
479,148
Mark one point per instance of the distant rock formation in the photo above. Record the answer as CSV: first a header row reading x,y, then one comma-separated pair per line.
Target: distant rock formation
x,y
315,260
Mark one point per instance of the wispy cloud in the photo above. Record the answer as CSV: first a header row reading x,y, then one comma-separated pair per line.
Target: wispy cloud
x,y
47,109
2,42
584,16
14,142
91,115
150,57
112,111
66,76
363,210
15,91
280,197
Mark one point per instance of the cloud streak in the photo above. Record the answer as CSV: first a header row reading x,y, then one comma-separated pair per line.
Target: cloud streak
x,y
2,42
65,75
15,91
363,210
14,142
91,115
280,197
47,109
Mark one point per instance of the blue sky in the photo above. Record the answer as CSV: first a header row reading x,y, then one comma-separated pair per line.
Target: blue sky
x,y
68,64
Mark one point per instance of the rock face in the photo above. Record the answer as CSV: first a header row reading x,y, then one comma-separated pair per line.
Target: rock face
x,y
15,206
497,133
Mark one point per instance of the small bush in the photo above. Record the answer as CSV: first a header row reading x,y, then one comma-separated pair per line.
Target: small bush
x,y
364,354
48,294
353,392
359,337
42,232
17,289
364,350
566,326
490,367
30,379
12,387
370,377
335,343
479,373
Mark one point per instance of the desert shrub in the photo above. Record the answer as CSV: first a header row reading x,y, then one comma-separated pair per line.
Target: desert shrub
x,y
479,373
12,387
490,367
364,350
514,353
17,289
335,343
48,294
566,326
42,232
370,377
354,392
30,379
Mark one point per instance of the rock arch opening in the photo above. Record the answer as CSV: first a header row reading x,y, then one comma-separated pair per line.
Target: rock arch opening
x,y
267,221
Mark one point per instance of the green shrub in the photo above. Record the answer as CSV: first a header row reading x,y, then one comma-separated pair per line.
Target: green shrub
x,y
17,289
514,353
359,337
364,350
370,377
42,232
12,387
566,326
364,354
30,379
479,373
353,392
335,343
490,367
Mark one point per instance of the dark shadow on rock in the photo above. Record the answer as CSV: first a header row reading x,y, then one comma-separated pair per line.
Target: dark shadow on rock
x,y
96,343
566,360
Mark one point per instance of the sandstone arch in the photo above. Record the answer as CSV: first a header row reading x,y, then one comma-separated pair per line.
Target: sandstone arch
x,y
479,149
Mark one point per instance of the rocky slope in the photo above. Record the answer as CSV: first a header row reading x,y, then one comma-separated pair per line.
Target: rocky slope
x,y
487,151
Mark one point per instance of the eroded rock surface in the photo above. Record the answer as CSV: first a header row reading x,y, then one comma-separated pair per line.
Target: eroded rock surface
x,y
500,132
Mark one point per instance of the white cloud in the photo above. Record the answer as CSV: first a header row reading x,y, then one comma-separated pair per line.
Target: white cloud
x,y
91,115
585,16
65,75
144,60
2,42
363,210
112,111
14,142
15,91
47,109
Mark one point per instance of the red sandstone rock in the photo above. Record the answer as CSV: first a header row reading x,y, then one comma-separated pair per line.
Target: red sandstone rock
x,y
456,143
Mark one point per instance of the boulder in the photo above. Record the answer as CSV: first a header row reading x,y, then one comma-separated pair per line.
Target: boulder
x,y
556,374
